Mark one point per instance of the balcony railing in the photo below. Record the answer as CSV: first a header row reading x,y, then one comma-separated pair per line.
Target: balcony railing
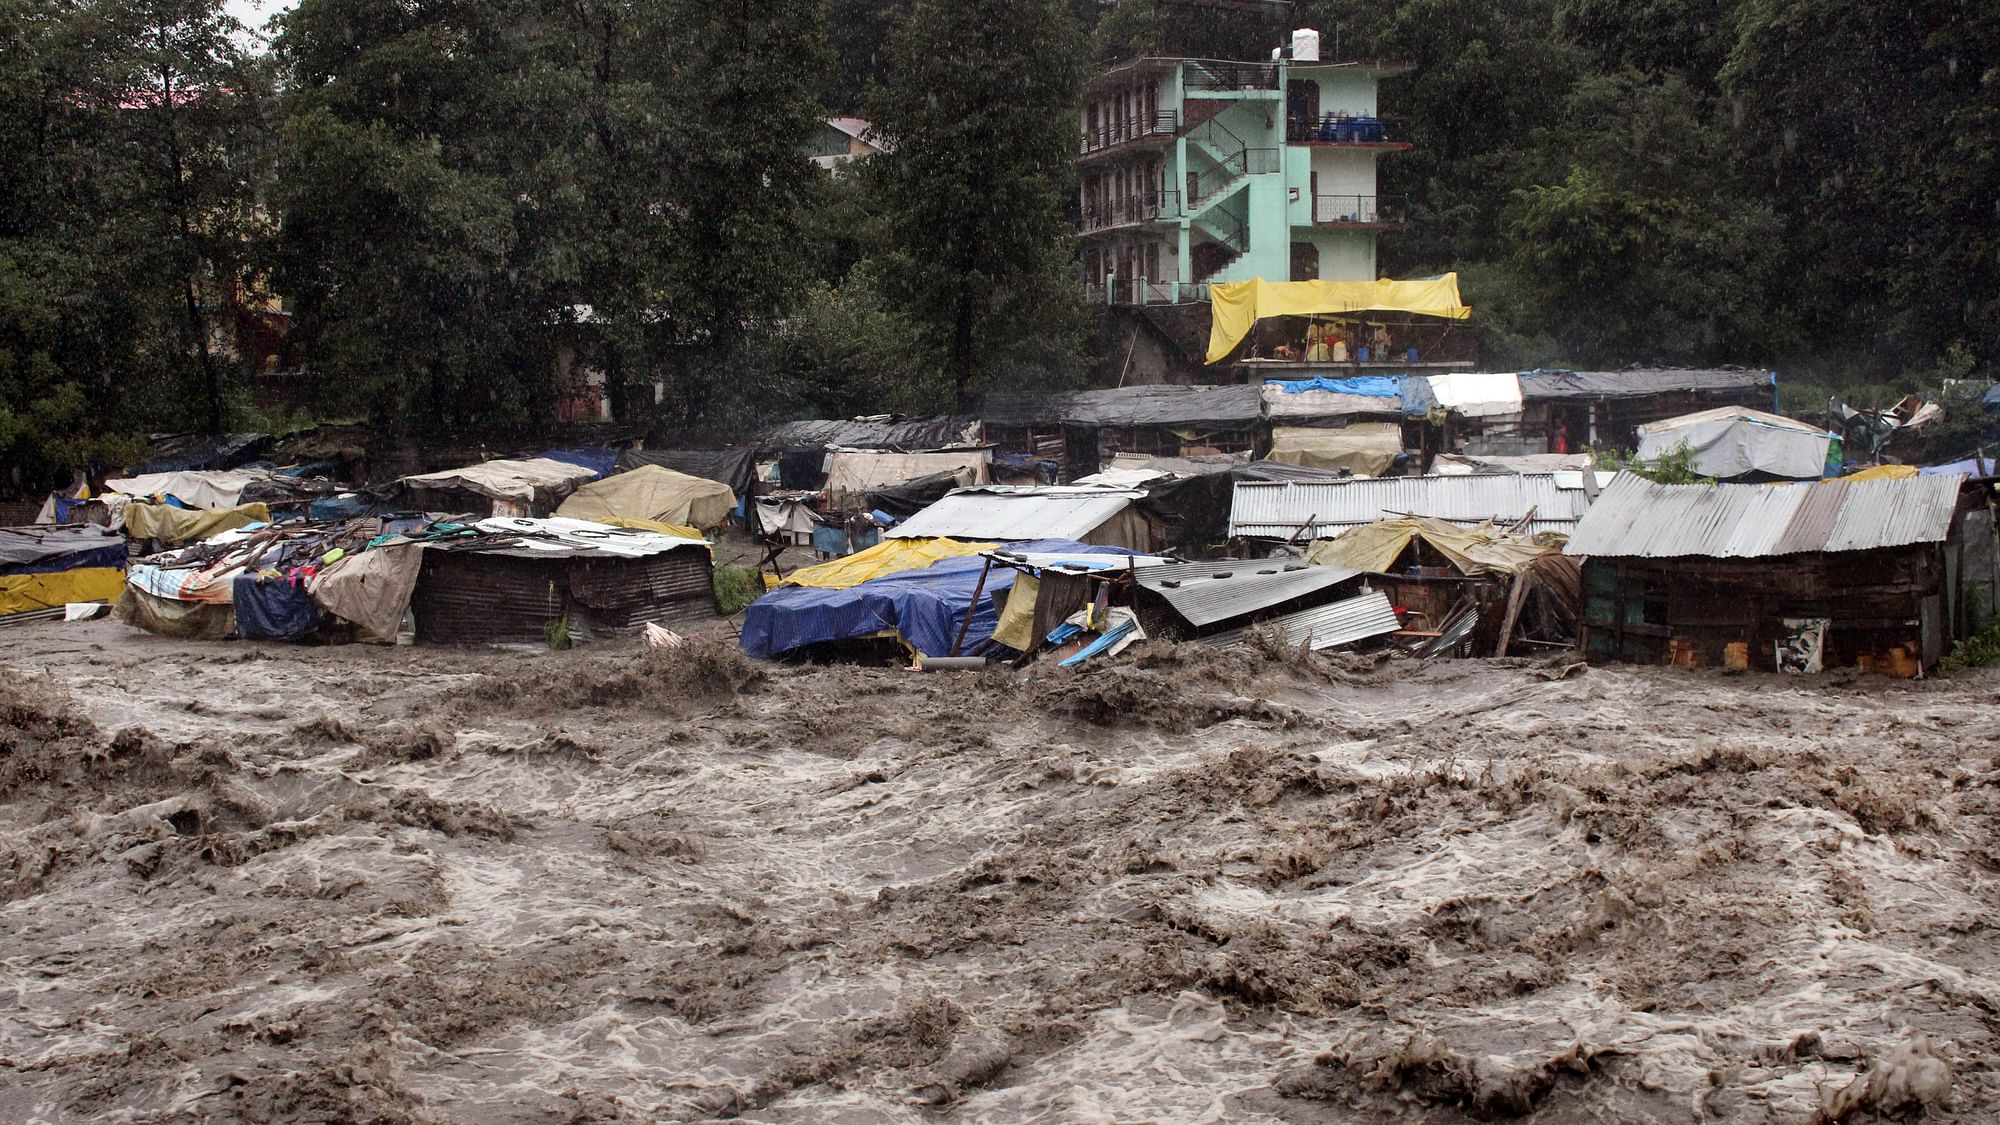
x,y
1216,76
1130,210
1162,125
1139,291
1336,128
1249,162
1360,211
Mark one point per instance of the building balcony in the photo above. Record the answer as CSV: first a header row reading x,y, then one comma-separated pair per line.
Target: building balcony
x,y
1360,212
1130,211
1159,128
1340,131
1211,76
1139,291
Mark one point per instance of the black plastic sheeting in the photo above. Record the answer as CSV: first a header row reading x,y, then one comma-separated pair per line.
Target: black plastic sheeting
x,y
1639,382
736,468
906,435
907,499
1194,511
1207,407
802,470
49,550
183,453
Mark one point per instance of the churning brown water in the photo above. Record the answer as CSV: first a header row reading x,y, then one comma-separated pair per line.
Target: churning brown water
x,y
266,883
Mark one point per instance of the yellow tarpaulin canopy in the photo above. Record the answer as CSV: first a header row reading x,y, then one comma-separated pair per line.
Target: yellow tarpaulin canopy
x,y
890,556
1238,305
1884,472
1481,549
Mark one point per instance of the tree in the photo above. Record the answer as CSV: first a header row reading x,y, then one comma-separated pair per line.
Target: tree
x,y
128,224
980,107
471,188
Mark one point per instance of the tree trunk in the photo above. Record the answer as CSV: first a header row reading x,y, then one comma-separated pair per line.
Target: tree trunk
x,y
961,353
211,379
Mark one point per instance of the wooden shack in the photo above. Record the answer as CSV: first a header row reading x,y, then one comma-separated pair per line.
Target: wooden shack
x,y
1799,577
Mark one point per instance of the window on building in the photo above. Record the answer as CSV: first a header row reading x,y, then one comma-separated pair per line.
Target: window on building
x,y
1305,261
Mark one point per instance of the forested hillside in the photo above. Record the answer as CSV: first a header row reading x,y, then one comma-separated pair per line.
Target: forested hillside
x,y
457,202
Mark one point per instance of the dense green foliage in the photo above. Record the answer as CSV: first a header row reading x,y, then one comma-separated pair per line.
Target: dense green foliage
x,y
466,205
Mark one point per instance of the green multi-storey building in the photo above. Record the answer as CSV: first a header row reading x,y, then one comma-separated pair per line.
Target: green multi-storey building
x,y
1199,170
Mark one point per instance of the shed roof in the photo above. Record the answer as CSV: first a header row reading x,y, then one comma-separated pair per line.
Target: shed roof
x,y
1640,382
1638,518
1217,407
1279,509
1000,512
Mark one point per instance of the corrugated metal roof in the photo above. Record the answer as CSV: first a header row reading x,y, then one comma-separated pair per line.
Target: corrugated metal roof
x,y
1324,627
1637,518
1276,510
1209,592
1002,513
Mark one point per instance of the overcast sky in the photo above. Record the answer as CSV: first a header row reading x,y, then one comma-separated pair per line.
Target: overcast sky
x,y
253,13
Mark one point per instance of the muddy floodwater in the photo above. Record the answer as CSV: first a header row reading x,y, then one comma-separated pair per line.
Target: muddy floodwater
x,y
249,882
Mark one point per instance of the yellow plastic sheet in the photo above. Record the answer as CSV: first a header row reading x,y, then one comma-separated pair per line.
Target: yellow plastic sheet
x,y
1238,305
1362,448
26,593
173,526
890,556
675,529
1017,618
1482,549
1884,472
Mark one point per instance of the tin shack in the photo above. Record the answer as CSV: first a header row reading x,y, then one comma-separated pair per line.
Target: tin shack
x,y
1866,574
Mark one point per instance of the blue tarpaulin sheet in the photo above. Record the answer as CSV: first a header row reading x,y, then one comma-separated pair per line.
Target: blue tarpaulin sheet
x,y
926,607
273,609
1971,466
597,459
348,507
1368,386
1417,396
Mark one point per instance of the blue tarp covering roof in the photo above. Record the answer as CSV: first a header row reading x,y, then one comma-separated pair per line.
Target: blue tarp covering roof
x,y
1368,386
597,459
926,607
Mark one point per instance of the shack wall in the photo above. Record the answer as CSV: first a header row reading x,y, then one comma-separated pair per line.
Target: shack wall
x,y
1884,608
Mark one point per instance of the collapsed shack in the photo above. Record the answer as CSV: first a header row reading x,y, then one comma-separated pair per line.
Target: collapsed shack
x,y
531,487
1881,575
948,605
250,583
1479,589
42,569
1224,602
556,580
1084,431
